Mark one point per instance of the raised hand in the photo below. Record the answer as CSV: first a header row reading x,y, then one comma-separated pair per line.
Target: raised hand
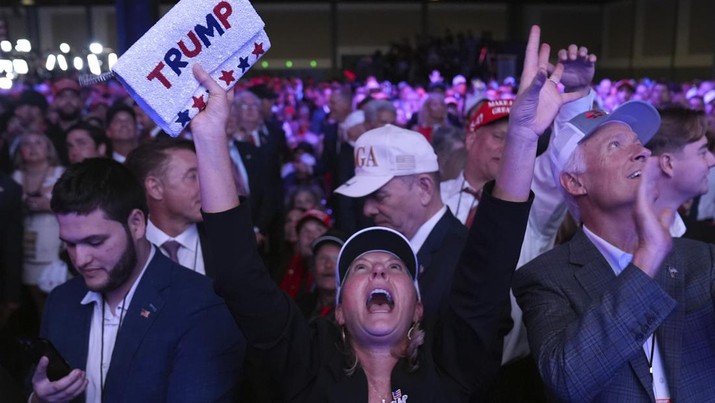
x,y
62,390
218,190
654,239
212,120
579,68
539,99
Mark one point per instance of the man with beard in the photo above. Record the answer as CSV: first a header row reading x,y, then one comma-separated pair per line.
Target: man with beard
x,y
67,104
122,130
134,325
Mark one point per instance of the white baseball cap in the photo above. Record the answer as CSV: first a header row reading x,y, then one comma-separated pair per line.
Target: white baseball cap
x,y
353,119
458,79
386,152
641,116
709,97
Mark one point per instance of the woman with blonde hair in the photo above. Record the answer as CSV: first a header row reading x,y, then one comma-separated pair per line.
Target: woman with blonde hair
x,y
37,170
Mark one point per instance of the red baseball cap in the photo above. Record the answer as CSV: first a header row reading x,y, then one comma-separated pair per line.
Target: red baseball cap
x,y
489,112
316,215
65,84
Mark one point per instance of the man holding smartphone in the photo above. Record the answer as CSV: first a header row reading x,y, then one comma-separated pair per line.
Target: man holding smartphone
x,y
134,325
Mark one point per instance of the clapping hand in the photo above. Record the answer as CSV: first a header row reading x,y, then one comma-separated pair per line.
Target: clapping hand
x,y
654,239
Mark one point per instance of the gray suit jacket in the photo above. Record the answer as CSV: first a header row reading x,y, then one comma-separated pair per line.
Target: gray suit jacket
x,y
587,327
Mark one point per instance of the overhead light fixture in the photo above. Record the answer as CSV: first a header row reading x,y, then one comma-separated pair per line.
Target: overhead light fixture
x,y
96,48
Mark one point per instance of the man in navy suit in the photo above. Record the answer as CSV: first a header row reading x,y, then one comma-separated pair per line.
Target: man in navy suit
x,y
134,325
396,169
622,312
257,150
167,168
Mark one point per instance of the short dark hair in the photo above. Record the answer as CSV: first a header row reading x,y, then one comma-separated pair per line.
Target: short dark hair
x,y
97,135
374,107
98,183
115,109
153,156
679,126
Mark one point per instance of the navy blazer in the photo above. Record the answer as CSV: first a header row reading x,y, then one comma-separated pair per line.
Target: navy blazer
x,y
438,258
587,326
177,342
10,239
264,182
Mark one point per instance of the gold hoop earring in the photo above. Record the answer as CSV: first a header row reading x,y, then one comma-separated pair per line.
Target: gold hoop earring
x,y
409,332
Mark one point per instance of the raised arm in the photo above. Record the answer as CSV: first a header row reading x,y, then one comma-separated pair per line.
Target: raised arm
x,y
218,191
549,207
268,318
536,106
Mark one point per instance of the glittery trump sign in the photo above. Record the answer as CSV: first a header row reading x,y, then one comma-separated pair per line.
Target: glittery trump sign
x,y
226,37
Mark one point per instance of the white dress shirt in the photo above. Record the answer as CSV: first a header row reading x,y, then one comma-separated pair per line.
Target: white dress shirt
x,y
454,196
102,336
190,253
118,157
423,232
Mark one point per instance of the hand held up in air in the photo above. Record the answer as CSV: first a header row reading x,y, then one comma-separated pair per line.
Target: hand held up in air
x,y
537,103
218,190
579,69
539,98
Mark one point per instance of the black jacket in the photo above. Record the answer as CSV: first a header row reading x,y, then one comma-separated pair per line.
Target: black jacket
x,y
305,358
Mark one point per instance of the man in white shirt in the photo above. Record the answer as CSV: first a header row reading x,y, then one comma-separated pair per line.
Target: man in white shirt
x,y
684,159
167,169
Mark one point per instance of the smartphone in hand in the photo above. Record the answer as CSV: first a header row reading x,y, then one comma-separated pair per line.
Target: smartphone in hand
x,y
36,348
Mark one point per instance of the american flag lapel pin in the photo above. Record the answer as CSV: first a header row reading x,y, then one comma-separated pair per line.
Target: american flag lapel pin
x,y
672,271
144,313
398,397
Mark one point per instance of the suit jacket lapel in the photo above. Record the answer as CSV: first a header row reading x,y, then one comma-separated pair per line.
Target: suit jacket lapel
x,y
433,242
595,275
670,332
78,347
144,309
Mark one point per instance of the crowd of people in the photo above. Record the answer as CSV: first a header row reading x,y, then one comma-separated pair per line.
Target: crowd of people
x,y
361,238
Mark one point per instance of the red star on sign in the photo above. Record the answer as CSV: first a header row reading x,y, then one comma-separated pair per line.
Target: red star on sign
x,y
258,49
199,103
227,77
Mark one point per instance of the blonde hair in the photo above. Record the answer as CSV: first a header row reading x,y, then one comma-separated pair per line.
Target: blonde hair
x,y
415,338
52,158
